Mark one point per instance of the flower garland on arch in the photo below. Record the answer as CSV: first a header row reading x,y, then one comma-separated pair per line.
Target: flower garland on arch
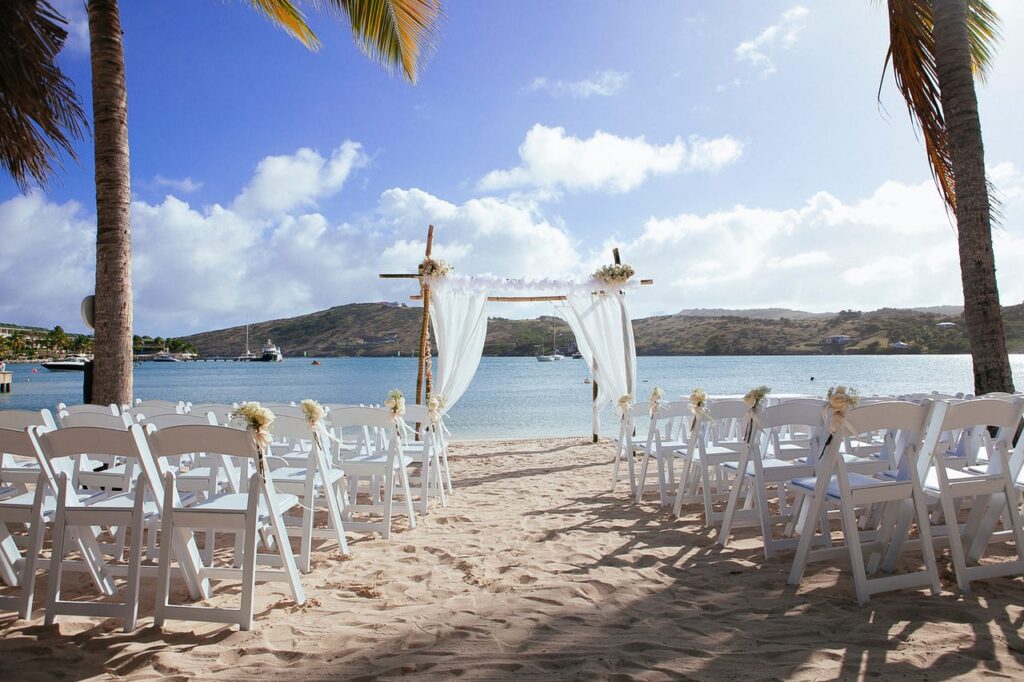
x,y
615,275
434,268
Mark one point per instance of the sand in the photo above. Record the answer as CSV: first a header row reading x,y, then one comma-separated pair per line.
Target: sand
x,y
536,570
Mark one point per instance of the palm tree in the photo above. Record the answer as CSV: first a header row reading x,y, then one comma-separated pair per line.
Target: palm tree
x,y
937,48
396,33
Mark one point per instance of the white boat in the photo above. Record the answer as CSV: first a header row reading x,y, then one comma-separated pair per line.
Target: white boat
x,y
71,363
548,358
248,355
165,356
270,353
554,355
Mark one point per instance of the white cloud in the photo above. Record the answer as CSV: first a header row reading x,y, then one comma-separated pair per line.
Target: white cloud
x,y
601,83
551,159
184,185
77,26
758,52
208,267
895,247
297,181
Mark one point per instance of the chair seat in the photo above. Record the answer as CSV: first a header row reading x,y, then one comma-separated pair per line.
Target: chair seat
x,y
233,503
854,480
363,462
120,501
672,445
201,473
26,500
291,475
767,463
931,481
712,451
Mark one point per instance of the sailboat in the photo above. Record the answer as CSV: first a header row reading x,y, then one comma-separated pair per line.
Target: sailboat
x,y
554,355
248,355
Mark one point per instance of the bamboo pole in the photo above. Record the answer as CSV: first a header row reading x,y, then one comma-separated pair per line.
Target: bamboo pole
x,y
422,375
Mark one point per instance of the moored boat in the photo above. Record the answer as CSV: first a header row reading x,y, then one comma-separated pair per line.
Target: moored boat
x,y
71,363
270,353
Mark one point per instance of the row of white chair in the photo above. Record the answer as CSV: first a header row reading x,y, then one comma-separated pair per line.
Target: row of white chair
x,y
177,473
898,463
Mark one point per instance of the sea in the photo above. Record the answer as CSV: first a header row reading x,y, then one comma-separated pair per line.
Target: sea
x,y
510,397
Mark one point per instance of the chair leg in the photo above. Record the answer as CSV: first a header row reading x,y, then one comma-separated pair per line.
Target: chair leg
x,y
403,475
56,564
134,563
35,546
248,567
851,535
812,507
705,478
956,548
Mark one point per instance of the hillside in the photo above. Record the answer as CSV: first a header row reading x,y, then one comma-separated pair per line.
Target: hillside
x,y
386,329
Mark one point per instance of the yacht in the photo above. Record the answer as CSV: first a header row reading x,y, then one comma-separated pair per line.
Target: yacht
x,y
248,355
165,356
71,363
271,353
554,355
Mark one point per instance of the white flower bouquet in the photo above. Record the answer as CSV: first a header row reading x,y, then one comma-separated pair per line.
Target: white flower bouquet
x,y
614,275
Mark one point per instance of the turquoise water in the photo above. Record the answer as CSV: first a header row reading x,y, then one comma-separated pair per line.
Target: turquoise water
x,y
509,397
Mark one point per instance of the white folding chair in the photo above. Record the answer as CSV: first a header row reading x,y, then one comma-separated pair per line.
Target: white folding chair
x,y
766,465
383,468
88,409
315,482
428,452
137,509
988,489
628,446
833,485
715,439
667,433
256,511
20,471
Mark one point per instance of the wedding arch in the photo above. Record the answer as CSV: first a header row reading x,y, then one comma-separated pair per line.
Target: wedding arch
x,y
455,306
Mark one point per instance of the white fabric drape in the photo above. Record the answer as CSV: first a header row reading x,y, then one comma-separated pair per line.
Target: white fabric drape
x,y
459,319
604,334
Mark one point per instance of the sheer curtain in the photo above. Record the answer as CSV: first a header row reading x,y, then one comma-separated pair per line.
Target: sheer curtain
x,y
459,319
604,334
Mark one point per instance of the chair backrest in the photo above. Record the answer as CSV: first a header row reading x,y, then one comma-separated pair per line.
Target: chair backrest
x,y
220,410
280,409
16,442
22,419
105,421
154,405
164,421
88,409
374,417
972,419
175,441
58,449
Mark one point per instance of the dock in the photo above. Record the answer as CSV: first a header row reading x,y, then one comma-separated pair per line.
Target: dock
x,y
6,381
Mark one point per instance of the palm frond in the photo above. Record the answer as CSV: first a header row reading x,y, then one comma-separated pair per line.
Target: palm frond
x,y
983,33
912,56
40,113
399,34
287,16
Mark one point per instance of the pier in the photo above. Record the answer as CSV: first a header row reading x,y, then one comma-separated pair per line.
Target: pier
x,y
6,381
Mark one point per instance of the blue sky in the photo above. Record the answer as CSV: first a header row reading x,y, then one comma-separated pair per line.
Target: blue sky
x,y
735,151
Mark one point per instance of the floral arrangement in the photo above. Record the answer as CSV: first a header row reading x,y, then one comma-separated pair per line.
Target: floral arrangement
x,y
396,403
655,402
840,400
435,407
754,396
313,411
259,419
698,398
625,403
614,275
434,267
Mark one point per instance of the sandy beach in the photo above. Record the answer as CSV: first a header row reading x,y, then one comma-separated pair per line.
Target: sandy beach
x,y
536,570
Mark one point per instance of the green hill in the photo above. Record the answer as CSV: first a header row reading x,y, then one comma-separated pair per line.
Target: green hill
x,y
387,329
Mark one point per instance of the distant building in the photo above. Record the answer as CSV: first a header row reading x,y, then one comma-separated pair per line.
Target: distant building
x,y
837,340
947,325
899,345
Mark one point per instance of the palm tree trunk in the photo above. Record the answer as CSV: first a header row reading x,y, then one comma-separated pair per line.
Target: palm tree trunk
x,y
113,341
982,311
